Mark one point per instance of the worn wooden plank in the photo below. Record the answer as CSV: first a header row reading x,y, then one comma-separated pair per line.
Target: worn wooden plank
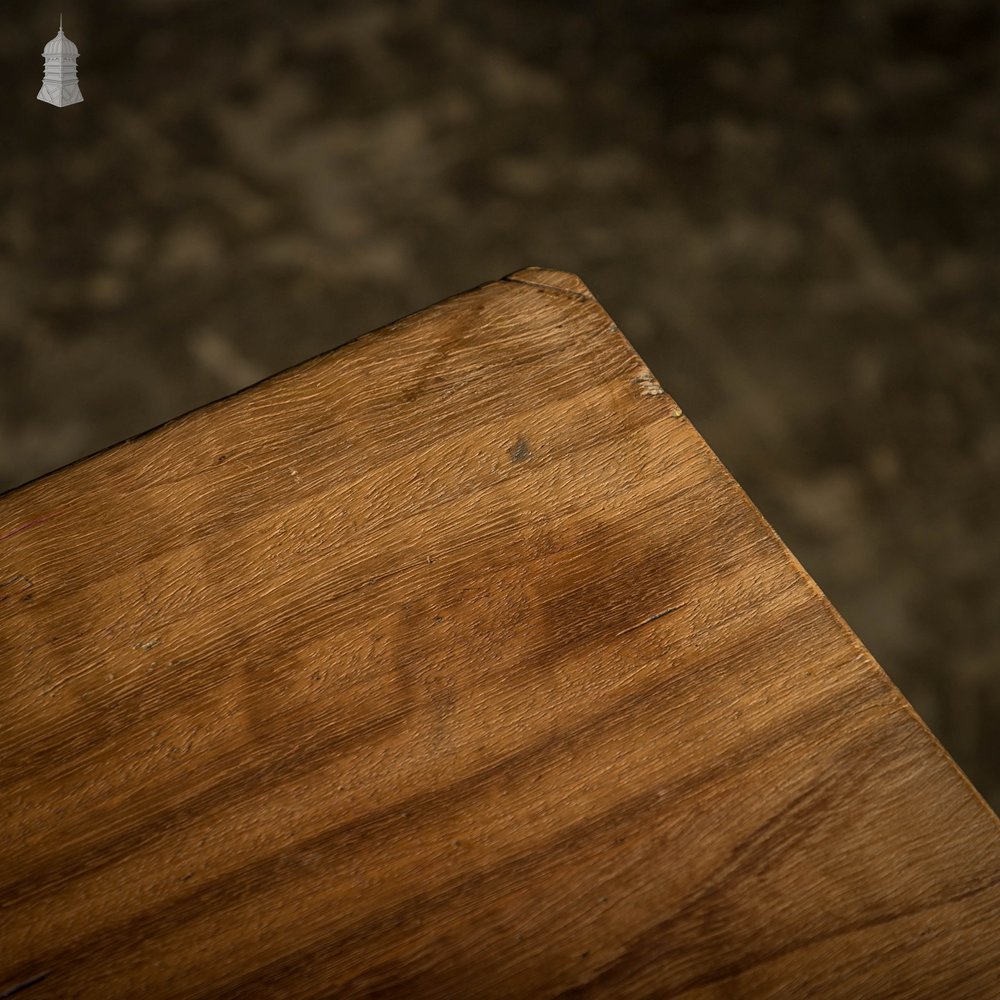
x,y
453,663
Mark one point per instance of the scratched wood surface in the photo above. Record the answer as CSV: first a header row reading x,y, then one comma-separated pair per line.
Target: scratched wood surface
x,y
452,663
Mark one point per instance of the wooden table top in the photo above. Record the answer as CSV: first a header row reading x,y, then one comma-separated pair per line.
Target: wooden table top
x,y
453,663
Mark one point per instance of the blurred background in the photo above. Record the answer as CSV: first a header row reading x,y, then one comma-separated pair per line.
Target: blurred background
x,y
791,210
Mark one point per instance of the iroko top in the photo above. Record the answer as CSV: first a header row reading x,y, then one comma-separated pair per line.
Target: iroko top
x,y
452,663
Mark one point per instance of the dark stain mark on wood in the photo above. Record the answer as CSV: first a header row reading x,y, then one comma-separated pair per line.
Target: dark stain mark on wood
x,y
520,452
23,985
18,585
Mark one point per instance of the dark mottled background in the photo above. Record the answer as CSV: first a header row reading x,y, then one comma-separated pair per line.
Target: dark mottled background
x,y
791,209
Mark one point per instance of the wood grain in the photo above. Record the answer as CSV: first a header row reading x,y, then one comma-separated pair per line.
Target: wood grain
x,y
452,663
